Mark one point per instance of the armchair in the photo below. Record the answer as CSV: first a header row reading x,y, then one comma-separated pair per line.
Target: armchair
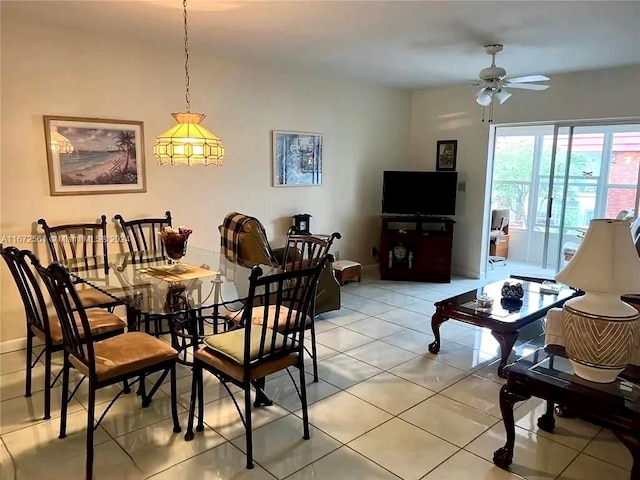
x,y
244,241
499,236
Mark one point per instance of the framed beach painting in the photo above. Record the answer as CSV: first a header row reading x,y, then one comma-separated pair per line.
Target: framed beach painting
x,y
94,156
297,159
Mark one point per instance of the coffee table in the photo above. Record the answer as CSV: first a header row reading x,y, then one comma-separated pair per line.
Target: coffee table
x,y
503,322
547,374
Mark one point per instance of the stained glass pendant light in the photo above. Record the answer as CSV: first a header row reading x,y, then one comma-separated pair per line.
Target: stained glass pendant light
x,y
188,142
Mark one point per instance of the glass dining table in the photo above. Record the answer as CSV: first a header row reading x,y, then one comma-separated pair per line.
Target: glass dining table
x,y
201,292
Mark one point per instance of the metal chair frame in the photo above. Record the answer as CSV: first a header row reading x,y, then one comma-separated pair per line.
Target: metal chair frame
x,y
79,241
37,317
142,234
69,306
302,251
293,289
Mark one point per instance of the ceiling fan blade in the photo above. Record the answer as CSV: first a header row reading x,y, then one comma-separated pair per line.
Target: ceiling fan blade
x,y
526,86
528,78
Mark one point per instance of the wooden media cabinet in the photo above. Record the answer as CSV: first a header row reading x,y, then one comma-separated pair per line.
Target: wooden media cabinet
x,y
416,248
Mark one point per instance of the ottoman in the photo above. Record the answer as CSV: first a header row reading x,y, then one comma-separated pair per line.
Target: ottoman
x,y
347,270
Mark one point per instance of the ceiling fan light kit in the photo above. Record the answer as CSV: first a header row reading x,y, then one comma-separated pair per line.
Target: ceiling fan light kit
x,y
494,82
484,97
503,96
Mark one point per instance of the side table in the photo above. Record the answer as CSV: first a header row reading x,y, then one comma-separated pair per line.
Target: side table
x,y
547,374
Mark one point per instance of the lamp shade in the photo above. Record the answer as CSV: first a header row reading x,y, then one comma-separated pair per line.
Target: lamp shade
x,y
606,261
484,97
188,143
503,96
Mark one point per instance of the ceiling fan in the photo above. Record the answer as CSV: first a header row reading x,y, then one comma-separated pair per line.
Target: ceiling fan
x,y
494,84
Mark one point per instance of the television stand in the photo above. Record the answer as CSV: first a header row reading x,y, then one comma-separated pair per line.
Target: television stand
x,y
416,248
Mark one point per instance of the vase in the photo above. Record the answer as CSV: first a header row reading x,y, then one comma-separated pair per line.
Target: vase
x,y
175,246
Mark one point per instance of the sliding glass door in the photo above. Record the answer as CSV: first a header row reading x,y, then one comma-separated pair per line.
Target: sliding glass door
x,y
594,173
555,178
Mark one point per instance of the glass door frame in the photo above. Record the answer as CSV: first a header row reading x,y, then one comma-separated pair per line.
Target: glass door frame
x,y
557,125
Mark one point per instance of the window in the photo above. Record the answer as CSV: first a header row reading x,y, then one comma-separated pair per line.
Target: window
x,y
602,180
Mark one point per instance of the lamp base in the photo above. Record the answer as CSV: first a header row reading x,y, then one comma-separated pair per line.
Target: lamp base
x,y
595,374
599,347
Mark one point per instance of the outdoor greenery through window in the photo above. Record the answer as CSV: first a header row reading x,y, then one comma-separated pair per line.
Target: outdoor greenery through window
x,y
601,182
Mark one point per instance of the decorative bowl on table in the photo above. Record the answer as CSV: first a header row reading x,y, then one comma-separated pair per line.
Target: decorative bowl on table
x,y
175,245
512,290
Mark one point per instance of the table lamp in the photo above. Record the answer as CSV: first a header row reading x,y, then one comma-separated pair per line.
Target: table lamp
x,y
599,328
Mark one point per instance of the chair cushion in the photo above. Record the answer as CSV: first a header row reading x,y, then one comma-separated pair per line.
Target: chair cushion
x,y
231,368
257,317
90,297
126,353
100,321
231,344
344,264
570,248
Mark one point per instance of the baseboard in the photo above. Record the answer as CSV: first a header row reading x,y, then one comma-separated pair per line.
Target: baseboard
x,y
456,271
17,344
465,273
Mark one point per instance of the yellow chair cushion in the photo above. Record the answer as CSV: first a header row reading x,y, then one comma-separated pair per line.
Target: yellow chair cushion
x,y
126,353
231,344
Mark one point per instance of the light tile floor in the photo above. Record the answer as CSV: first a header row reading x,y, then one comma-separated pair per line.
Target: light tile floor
x,y
384,409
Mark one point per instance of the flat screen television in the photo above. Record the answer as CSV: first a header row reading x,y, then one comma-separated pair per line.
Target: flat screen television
x,y
419,193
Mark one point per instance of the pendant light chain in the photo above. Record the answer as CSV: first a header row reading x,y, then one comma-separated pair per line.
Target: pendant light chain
x,y
186,57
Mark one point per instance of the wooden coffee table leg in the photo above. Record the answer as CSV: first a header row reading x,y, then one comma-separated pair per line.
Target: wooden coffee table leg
x,y
437,320
504,456
506,341
632,442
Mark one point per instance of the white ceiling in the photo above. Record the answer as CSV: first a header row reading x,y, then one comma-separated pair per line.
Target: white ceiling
x,y
408,44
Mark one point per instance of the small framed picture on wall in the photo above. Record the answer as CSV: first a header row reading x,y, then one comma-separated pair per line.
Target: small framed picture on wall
x,y
447,151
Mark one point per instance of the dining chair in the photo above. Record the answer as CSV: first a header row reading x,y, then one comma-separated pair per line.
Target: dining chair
x,y
86,243
257,348
142,234
302,251
45,327
132,355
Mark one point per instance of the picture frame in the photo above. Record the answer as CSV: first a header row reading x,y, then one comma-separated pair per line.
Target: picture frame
x,y
296,158
93,156
446,155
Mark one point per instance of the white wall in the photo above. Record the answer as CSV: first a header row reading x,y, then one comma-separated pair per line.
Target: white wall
x,y
452,113
52,71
